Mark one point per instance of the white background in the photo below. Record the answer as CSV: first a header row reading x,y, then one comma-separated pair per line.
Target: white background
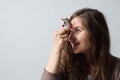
x,y
26,32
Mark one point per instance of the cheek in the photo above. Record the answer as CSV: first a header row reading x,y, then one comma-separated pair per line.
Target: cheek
x,y
83,37
84,40
86,43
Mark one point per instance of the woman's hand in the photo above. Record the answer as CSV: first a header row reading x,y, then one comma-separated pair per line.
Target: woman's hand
x,y
60,38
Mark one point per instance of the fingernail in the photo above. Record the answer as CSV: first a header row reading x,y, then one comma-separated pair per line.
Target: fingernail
x,y
71,26
62,25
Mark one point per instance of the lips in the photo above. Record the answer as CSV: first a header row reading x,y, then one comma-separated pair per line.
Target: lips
x,y
75,44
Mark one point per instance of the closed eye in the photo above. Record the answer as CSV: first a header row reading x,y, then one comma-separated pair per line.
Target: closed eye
x,y
77,29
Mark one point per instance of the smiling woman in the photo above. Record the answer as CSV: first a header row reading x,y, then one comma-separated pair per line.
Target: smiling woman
x,y
84,54
79,37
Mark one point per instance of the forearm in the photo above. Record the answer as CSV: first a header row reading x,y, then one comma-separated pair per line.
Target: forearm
x,y
60,38
53,62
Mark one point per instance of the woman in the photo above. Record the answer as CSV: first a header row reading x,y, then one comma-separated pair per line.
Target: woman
x,y
84,53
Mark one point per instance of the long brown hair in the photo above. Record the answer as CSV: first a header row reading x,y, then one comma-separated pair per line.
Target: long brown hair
x,y
75,66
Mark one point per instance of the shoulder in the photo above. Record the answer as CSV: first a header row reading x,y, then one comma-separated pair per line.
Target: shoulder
x,y
115,58
115,63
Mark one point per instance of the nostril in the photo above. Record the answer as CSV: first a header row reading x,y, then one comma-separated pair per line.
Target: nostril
x,y
71,38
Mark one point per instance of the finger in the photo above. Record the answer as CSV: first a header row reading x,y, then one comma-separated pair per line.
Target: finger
x,y
63,31
64,36
65,39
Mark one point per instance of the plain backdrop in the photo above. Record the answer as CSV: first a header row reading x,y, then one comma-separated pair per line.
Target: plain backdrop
x,y
26,32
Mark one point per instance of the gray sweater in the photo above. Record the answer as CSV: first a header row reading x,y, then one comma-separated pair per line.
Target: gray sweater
x,y
113,71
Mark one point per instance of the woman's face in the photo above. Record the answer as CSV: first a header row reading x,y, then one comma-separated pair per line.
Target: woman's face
x,y
79,37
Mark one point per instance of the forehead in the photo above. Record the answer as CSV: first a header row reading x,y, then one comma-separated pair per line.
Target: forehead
x,y
77,21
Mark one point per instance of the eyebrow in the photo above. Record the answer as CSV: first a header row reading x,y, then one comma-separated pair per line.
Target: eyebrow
x,y
79,27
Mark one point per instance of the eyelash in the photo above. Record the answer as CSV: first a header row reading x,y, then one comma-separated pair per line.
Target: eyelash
x,y
78,29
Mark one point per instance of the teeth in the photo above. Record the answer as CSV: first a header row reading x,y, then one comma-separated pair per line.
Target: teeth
x,y
76,44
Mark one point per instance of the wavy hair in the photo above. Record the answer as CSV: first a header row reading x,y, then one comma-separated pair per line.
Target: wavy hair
x,y
76,66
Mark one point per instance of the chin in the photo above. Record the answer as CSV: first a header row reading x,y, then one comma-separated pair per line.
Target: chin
x,y
76,52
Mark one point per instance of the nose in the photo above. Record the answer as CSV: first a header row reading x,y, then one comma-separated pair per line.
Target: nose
x,y
72,37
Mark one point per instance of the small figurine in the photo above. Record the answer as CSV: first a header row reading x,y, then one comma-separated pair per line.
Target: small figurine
x,y
67,23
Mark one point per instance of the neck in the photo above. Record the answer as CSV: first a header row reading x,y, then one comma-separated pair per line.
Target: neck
x,y
89,61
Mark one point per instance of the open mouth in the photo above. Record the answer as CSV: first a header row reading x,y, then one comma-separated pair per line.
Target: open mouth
x,y
75,44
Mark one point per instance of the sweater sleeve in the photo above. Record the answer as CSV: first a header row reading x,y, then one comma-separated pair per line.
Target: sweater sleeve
x,y
49,76
61,75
